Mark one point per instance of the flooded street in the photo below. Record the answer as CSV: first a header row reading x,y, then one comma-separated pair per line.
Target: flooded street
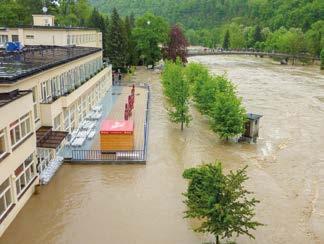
x,y
102,204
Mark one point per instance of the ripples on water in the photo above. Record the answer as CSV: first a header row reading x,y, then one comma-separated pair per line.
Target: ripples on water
x,y
143,204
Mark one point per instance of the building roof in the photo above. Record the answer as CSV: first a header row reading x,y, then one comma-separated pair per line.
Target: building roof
x,y
35,59
47,138
55,27
253,116
8,97
117,127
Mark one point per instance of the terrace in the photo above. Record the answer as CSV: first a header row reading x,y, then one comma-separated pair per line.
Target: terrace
x,y
84,143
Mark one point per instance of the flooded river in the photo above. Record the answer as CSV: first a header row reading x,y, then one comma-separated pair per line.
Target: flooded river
x,y
143,204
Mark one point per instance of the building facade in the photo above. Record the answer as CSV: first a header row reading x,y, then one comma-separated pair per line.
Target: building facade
x,y
18,174
44,32
46,92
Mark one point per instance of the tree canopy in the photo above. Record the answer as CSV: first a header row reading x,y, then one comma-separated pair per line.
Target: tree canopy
x,y
150,31
177,91
221,202
205,22
176,46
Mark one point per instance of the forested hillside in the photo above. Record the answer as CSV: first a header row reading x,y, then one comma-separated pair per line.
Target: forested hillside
x,y
261,24
199,14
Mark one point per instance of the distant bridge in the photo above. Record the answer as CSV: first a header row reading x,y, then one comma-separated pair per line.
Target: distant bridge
x,y
283,56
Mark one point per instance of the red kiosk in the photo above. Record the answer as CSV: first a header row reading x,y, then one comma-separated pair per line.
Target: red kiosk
x,y
117,135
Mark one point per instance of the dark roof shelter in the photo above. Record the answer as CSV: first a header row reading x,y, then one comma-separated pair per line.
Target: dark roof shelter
x,y
47,138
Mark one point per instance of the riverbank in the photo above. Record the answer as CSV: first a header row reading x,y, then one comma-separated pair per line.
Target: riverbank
x,y
143,204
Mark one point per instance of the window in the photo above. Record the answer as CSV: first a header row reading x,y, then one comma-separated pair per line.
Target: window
x,y
3,39
24,174
57,122
79,109
5,197
36,117
29,36
67,124
3,148
46,91
20,129
15,38
44,156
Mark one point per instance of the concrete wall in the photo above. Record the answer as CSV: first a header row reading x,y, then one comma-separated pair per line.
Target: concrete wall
x,y
43,20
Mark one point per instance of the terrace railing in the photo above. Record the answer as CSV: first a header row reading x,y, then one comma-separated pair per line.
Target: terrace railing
x,y
109,156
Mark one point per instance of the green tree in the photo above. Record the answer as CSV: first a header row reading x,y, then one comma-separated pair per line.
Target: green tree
x,y
193,70
11,13
116,46
150,33
220,201
315,38
177,90
236,32
97,20
228,116
132,57
207,95
257,35
209,91
226,42
322,59
196,74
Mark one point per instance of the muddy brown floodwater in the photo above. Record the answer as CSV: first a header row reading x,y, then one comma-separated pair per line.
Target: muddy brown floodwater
x,y
143,204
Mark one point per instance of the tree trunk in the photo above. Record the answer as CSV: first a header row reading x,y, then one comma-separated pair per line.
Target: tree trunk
x,y
217,240
181,126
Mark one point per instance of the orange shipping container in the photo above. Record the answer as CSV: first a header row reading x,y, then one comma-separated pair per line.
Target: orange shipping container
x,y
117,135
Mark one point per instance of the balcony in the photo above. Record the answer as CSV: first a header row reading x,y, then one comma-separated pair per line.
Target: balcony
x,y
54,105
67,89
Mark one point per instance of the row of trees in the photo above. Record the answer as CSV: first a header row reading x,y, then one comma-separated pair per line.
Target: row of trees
x,y
239,36
214,96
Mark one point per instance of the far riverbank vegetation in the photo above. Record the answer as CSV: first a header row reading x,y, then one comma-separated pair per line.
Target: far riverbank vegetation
x,y
135,37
